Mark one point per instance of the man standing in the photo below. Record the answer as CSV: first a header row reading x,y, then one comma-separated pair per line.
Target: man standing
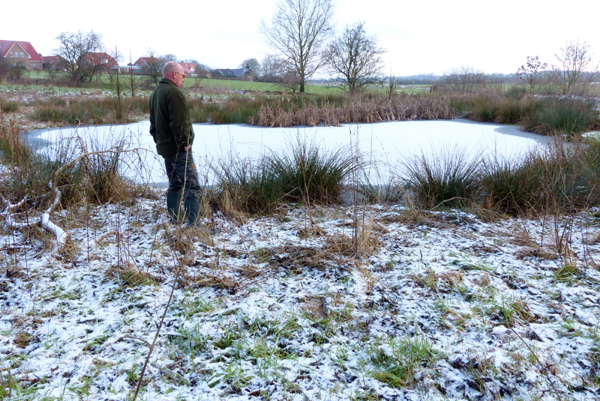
x,y
171,128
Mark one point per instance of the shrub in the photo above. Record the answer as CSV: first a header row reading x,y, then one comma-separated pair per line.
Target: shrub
x,y
557,179
307,172
449,180
9,107
247,186
512,188
562,117
94,178
302,173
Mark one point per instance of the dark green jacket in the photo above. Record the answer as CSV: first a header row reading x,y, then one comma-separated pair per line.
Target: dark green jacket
x,y
170,123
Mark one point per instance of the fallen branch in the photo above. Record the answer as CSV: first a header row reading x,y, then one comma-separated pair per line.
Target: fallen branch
x,y
59,233
44,220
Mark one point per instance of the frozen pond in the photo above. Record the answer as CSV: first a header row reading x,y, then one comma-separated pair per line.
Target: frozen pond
x,y
383,145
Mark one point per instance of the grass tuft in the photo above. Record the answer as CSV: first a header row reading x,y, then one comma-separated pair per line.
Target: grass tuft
x,y
397,363
450,179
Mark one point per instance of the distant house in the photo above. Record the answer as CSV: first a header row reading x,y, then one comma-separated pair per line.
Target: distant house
x,y
189,69
20,53
143,63
53,63
238,73
103,61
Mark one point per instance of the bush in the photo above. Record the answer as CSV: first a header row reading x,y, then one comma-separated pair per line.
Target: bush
x,y
9,107
247,186
561,117
303,173
308,173
512,188
94,178
558,179
449,180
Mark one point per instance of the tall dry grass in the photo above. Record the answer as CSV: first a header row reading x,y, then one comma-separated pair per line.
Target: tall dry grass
x,y
357,109
74,111
94,178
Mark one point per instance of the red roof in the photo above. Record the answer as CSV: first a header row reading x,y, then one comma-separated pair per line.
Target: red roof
x,y
5,46
188,68
145,61
101,58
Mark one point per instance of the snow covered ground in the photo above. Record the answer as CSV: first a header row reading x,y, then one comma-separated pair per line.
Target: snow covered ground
x,y
373,302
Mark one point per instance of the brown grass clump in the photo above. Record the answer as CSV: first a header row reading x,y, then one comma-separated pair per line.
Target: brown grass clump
x,y
22,340
592,240
315,308
217,281
182,239
297,257
132,277
536,252
413,218
362,244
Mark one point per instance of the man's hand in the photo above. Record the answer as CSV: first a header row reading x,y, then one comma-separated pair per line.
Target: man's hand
x,y
187,148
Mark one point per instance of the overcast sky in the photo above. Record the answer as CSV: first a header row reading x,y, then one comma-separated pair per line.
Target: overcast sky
x,y
421,36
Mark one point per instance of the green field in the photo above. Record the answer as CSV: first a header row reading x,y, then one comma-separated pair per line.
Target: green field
x,y
41,81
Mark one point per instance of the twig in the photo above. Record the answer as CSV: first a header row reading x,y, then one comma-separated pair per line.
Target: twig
x,y
134,338
162,319
447,200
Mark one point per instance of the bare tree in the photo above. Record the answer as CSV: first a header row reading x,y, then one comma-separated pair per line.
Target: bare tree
x,y
168,57
532,71
152,66
75,49
390,85
464,78
355,58
118,86
291,80
297,34
574,66
271,68
253,67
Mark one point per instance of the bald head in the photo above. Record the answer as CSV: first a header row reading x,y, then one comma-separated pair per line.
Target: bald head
x,y
174,72
170,68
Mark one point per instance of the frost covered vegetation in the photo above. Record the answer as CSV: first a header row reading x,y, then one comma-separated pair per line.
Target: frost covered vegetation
x,y
481,284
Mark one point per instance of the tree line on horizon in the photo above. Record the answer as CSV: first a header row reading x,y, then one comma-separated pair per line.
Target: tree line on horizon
x,y
303,42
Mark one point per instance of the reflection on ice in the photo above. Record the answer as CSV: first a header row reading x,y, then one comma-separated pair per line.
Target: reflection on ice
x,y
382,145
